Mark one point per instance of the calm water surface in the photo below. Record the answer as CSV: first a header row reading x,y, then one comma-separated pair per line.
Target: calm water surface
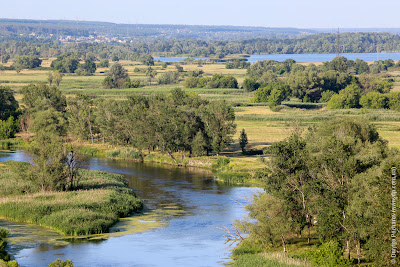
x,y
305,57
186,205
324,57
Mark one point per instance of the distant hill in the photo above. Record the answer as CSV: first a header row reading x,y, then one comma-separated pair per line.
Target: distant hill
x,y
62,28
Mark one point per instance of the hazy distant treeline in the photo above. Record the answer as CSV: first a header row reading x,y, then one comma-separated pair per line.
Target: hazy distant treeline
x,y
318,43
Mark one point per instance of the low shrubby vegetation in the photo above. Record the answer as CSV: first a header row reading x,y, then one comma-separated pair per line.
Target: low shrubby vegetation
x,y
93,207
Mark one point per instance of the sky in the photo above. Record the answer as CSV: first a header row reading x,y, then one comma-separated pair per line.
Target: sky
x,y
267,13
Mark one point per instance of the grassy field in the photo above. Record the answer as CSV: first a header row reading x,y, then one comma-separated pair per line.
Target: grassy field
x,y
262,125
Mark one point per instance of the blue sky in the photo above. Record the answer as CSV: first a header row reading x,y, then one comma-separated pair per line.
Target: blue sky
x,y
277,13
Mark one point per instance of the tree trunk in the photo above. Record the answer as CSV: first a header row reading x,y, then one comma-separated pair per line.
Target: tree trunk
x,y
348,249
358,251
283,244
90,128
309,226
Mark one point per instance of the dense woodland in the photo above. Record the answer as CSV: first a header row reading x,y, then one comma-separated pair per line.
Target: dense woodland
x,y
317,43
333,180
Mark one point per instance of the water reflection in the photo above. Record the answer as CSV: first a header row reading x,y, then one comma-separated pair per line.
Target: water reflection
x,y
183,209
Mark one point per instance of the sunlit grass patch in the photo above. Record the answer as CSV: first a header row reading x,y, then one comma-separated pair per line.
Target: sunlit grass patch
x,y
98,203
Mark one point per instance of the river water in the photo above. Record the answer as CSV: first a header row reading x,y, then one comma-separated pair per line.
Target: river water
x,y
305,57
179,227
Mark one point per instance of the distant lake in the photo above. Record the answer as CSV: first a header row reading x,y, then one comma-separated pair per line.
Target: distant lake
x,y
175,59
324,57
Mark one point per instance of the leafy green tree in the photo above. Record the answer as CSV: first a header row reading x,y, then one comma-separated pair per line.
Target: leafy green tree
x,y
81,117
151,73
199,144
273,93
116,76
179,68
347,98
87,68
168,77
27,62
374,100
243,140
328,255
66,63
361,66
250,84
8,104
148,60
57,77
8,128
41,96
105,63
338,64
273,221
219,118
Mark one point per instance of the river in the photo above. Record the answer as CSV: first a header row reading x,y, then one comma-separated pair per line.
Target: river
x,y
178,227
305,57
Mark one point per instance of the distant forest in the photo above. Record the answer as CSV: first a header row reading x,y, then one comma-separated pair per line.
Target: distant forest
x,y
12,28
130,42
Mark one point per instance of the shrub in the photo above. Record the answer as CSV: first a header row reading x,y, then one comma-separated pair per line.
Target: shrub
x,y
8,128
61,263
328,255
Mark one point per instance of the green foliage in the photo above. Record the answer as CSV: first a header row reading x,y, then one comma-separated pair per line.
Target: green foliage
x,y
370,83
328,254
27,62
116,77
199,144
169,77
347,98
374,100
221,162
255,260
87,68
41,96
3,233
105,63
237,64
243,140
326,96
61,263
8,128
169,122
99,201
337,64
336,173
125,153
216,81
66,63
273,93
250,84
8,104
361,66
148,60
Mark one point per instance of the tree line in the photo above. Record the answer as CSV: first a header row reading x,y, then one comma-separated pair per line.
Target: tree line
x,y
334,180
316,43
340,82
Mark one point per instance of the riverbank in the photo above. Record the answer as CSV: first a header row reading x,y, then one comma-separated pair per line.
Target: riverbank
x,y
234,170
92,208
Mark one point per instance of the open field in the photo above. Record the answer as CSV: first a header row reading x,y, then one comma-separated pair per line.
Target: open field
x,y
262,125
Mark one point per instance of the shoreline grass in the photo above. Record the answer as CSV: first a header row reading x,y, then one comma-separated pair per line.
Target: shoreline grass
x,y
99,201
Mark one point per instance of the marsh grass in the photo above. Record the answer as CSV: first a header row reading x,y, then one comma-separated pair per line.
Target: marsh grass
x,y
268,260
98,203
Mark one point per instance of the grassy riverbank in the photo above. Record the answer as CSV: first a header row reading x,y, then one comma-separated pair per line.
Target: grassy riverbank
x,y
99,201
